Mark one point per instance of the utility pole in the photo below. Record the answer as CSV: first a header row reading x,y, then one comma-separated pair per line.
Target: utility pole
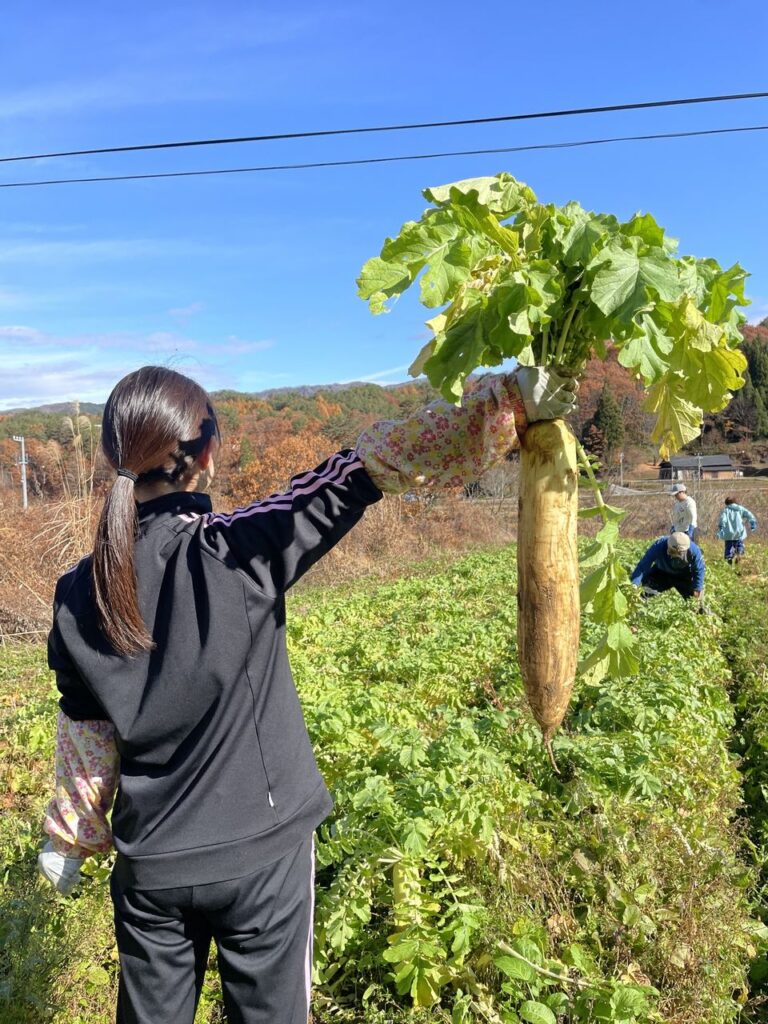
x,y
23,463
621,469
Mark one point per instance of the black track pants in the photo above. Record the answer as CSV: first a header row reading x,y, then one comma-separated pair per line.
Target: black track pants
x,y
262,926
661,581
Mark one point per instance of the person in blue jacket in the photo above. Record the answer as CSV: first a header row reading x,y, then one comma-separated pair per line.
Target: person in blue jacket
x,y
671,562
732,531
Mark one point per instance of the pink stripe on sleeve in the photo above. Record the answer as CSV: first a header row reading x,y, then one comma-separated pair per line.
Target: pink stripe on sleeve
x,y
338,469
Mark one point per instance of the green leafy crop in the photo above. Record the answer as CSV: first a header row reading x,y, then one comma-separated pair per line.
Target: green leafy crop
x,y
552,285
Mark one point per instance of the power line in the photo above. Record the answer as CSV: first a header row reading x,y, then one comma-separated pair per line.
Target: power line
x,y
572,112
388,159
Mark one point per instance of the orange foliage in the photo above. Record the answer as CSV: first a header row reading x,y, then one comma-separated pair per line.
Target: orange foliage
x,y
326,409
277,457
627,391
46,461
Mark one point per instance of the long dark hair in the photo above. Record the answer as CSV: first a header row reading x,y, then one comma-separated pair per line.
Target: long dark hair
x,y
156,423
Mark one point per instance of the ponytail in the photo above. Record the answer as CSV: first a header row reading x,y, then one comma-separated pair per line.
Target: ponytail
x,y
114,572
158,422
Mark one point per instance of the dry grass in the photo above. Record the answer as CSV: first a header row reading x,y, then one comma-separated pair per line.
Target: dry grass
x,y
394,534
36,547
648,515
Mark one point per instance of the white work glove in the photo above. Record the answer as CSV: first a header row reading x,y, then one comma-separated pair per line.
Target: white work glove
x,y
547,394
62,872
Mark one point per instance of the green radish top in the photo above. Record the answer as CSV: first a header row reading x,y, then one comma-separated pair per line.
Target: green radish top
x,y
551,285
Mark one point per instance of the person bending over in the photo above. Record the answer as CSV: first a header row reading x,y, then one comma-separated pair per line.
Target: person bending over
x,y
672,562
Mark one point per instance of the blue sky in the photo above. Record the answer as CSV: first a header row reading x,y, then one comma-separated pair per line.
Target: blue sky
x,y
248,281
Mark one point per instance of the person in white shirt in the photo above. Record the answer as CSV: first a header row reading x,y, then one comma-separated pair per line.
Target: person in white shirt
x,y
684,515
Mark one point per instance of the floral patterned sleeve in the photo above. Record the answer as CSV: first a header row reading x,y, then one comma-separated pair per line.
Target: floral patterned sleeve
x,y
86,777
446,445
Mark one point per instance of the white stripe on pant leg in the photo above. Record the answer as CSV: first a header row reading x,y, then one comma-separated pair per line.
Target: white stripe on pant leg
x,y
308,957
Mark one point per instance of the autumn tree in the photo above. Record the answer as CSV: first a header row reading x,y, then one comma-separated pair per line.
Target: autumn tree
x,y
746,416
44,469
627,393
344,428
273,465
246,453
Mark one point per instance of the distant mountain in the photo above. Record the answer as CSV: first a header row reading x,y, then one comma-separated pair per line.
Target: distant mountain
x,y
62,408
304,390
308,390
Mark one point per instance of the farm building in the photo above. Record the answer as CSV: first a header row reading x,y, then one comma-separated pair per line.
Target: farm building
x,y
693,467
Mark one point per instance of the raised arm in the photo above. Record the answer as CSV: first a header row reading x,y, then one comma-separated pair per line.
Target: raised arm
x,y
444,445
278,539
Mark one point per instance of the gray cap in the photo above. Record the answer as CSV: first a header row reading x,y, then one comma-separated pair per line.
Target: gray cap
x,y
678,543
679,487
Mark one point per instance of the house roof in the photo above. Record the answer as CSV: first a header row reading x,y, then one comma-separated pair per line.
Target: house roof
x,y
705,461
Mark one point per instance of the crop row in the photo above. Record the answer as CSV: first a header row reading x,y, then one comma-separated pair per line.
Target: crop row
x,y
458,878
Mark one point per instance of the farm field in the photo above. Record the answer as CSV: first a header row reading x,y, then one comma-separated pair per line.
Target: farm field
x,y
459,878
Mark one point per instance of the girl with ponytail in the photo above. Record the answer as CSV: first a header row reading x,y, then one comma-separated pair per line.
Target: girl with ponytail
x,y
146,414
180,737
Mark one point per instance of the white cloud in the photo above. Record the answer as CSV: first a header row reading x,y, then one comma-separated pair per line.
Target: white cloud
x,y
55,344
36,228
234,346
110,92
10,298
23,251
251,30
393,376
33,300
259,380
184,312
34,384
144,75
38,368
17,332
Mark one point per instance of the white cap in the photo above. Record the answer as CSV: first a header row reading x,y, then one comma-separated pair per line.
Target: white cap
x,y
678,543
679,487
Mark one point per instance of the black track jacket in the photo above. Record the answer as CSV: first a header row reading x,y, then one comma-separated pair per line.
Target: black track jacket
x,y
217,775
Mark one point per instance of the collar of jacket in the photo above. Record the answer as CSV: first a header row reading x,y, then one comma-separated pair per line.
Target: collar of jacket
x,y
172,504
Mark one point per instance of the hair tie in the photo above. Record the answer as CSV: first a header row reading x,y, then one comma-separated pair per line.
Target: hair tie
x,y
127,472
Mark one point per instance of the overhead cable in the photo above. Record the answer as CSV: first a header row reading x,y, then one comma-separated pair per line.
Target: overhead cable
x,y
282,136
387,159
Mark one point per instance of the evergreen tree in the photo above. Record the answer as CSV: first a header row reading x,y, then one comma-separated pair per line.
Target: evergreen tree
x,y
608,420
740,420
757,358
761,416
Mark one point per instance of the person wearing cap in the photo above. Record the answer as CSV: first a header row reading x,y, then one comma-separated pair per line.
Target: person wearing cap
x,y
731,529
671,562
684,514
